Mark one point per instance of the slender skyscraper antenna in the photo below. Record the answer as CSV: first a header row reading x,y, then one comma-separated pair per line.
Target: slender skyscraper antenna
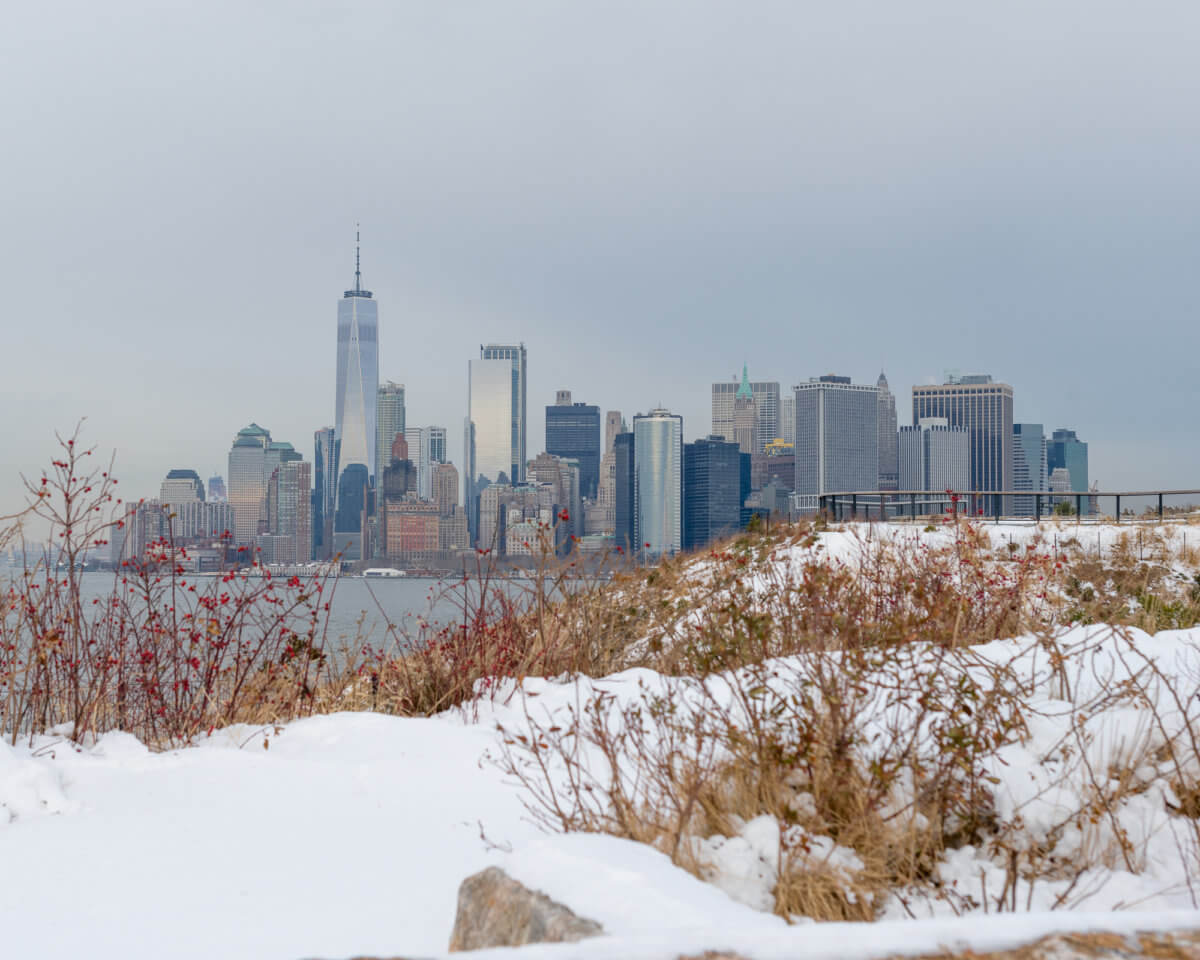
x,y
357,262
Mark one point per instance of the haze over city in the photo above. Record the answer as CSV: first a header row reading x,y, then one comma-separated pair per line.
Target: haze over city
x,y
646,197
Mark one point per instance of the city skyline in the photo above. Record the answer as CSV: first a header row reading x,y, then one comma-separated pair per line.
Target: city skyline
x,y
847,192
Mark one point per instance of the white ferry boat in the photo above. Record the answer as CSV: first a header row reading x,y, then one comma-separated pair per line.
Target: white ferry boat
x,y
380,572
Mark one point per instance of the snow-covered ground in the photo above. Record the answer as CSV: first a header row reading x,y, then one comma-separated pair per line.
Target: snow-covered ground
x,y
349,834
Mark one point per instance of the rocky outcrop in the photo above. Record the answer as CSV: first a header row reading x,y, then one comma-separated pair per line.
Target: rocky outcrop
x,y
494,910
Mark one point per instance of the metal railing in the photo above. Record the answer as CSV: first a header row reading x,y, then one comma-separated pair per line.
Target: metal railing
x,y
994,504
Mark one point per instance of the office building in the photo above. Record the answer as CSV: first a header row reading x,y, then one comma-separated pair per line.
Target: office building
x,y
187,516
776,464
1066,451
452,530
323,497
745,419
712,491
614,423
399,480
562,476
985,409
933,456
1029,466
435,439
412,530
495,428
889,463
289,516
389,421
445,487
196,521
658,484
355,402
623,493
248,481
787,419
181,486
573,431
216,489
837,438
766,401
601,518
417,439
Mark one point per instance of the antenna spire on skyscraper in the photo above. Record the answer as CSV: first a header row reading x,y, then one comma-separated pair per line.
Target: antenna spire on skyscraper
x,y
357,261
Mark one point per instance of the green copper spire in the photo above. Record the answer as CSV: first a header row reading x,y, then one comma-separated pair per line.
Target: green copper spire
x,y
744,390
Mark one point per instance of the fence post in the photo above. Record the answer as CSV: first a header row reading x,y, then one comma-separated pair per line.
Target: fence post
x,y
1118,508
1037,508
1160,508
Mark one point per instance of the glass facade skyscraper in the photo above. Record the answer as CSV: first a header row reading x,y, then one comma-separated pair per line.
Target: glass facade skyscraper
x,y
494,432
1029,466
712,491
1066,450
323,497
248,481
357,387
573,431
658,483
623,493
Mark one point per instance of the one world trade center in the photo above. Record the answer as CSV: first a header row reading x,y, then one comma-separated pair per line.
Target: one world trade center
x,y
357,384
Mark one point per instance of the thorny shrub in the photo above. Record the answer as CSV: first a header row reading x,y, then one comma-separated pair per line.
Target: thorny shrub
x,y
164,654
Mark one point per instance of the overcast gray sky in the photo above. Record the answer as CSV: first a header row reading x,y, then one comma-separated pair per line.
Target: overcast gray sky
x,y
645,193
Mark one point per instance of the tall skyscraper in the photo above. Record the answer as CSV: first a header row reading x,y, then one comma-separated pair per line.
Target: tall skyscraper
x,y
1029,466
623,493
837,437
389,421
573,431
248,481
658,484
985,408
766,399
745,418
712,491
1066,451
324,487
889,454
934,456
357,384
494,434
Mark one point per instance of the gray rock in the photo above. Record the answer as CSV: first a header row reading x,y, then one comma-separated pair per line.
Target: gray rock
x,y
496,911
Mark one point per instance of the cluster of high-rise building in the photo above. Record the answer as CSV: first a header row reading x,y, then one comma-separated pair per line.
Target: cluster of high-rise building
x,y
381,491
